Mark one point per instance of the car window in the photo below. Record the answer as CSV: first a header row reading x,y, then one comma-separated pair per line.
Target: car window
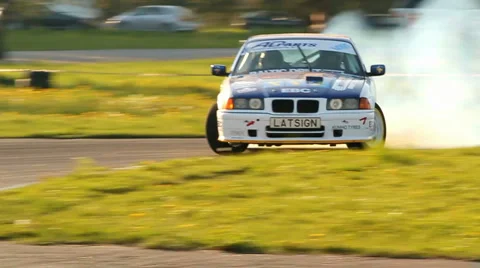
x,y
279,15
259,15
162,11
285,56
140,11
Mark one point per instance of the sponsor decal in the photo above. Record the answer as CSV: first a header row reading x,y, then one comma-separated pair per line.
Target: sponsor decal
x,y
371,125
237,133
347,127
250,123
342,46
298,70
284,44
318,44
364,120
244,84
293,70
341,84
296,90
353,84
246,90
269,71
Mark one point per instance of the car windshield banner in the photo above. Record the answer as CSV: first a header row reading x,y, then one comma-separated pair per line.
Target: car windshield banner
x,y
305,44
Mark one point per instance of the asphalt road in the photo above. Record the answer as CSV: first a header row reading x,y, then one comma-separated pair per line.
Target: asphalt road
x,y
115,55
24,161
67,256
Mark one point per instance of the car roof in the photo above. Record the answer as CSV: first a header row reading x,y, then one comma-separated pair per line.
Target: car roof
x,y
300,35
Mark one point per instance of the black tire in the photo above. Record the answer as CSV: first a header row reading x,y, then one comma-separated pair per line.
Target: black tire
x,y
365,145
211,131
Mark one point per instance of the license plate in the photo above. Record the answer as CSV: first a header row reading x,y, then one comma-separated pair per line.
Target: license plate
x,y
287,122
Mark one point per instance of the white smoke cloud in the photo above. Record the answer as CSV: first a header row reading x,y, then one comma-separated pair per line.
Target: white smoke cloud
x,y
430,95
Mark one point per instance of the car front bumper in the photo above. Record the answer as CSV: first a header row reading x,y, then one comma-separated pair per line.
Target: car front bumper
x,y
337,127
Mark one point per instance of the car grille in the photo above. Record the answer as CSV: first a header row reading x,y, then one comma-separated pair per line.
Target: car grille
x,y
287,106
307,106
295,132
282,106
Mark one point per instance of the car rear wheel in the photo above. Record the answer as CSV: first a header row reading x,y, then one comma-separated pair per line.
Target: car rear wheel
x,y
211,129
380,133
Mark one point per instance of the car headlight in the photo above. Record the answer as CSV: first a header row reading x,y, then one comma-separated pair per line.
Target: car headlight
x,y
244,104
335,104
240,104
255,104
348,104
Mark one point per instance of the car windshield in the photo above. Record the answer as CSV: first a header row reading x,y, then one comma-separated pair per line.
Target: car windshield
x,y
277,55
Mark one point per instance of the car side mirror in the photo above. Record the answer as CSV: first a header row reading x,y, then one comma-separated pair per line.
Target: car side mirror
x,y
219,70
377,70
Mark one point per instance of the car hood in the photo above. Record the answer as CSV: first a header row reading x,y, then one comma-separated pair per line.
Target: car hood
x,y
74,11
121,16
297,85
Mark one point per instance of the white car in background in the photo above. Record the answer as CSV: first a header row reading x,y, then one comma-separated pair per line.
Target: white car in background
x,y
156,18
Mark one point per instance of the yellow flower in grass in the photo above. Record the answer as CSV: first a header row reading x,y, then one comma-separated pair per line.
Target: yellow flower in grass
x,y
186,225
316,236
137,215
471,235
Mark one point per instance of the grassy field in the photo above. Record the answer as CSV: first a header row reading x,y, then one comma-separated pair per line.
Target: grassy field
x,y
396,203
118,105
42,39
116,100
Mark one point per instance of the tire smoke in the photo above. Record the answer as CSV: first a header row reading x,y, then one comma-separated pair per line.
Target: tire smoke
x,y
431,92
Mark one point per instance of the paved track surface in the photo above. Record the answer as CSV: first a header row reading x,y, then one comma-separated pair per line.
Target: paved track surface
x,y
114,256
116,55
25,161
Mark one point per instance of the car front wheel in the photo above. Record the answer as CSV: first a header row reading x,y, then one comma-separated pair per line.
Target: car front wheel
x,y
380,133
211,131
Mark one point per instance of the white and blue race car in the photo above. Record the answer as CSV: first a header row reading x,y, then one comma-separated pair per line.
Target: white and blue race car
x,y
296,89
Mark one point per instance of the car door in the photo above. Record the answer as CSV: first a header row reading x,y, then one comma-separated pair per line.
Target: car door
x,y
260,18
152,18
137,20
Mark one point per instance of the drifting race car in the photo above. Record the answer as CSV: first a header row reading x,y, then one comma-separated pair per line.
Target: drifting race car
x,y
296,89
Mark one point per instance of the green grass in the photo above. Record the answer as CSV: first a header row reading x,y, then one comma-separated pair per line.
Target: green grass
x,y
116,105
395,203
118,101
42,39
195,66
